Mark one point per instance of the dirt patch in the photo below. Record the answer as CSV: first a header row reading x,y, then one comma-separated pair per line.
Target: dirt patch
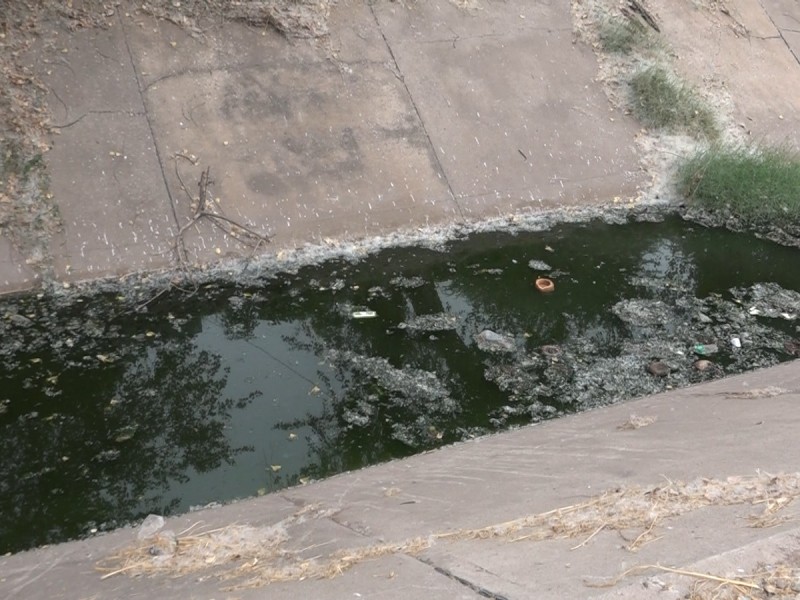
x,y
27,214
293,18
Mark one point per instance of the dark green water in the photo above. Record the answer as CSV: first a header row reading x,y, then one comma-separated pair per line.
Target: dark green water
x,y
111,408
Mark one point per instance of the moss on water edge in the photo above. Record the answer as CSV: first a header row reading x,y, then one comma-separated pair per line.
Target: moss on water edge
x,y
758,185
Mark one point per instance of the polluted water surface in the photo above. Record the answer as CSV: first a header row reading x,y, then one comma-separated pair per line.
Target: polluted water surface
x,y
113,406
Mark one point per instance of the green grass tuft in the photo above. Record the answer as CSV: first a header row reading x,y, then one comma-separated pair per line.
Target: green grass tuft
x,y
661,101
622,36
761,186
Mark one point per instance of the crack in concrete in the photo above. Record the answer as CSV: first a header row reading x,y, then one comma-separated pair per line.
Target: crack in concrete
x,y
361,532
189,71
482,591
400,76
132,113
161,166
458,38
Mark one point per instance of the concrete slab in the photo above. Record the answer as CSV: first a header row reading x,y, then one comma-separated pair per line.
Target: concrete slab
x,y
397,577
110,192
510,105
294,164
711,46
104,172
70,571
561,568
299,147
355,36
779,549
792,39
85,71
785,14
161,49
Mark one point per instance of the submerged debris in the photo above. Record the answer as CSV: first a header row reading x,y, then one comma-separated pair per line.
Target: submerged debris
x,y
639,312
414,385
363,314
769,300
489,341
435,322
407,282
658,368
420,401
539,265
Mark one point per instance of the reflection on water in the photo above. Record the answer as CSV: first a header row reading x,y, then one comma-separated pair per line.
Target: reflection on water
x,y
110,410
97,437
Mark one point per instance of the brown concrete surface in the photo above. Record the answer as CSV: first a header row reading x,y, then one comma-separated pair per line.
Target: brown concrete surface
x,y
744,52
738,426
408,115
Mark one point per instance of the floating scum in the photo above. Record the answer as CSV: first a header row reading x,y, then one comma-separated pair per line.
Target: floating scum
x,y
248,556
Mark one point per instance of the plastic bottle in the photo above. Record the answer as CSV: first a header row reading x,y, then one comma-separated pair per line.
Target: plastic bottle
x,y
705,349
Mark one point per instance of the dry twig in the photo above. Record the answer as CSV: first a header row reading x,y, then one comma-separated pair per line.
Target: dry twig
x,y
203,207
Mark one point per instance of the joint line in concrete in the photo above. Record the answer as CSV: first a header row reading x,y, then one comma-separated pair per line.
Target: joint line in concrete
x,y
780,32
140,87
465,582
418,113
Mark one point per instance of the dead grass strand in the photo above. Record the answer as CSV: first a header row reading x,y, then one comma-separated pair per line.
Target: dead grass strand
x,y
251,557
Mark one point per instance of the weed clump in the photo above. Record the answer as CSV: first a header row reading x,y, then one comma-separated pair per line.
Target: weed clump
x,y
622,36
661,101
758,185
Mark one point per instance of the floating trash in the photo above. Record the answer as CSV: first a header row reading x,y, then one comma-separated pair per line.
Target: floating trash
x,y
364,314
156,396
539,265
490,341
545,285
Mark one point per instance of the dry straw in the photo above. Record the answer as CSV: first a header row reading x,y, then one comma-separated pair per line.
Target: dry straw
x,y
766,583
250,556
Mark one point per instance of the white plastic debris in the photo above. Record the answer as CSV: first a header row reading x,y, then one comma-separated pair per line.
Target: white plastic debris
x,y
364,314
490,341
151,526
